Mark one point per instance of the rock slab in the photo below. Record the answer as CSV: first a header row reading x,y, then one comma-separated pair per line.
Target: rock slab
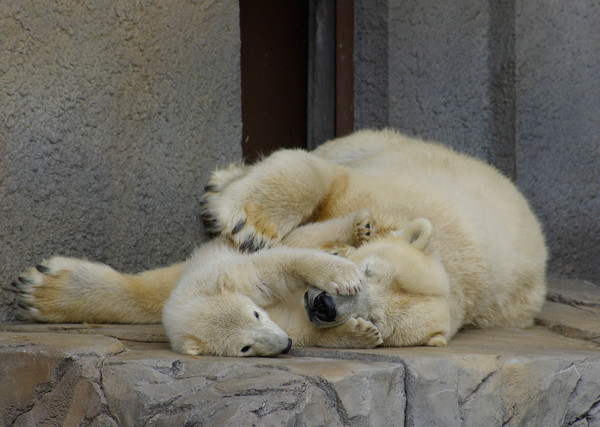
x,y
124,375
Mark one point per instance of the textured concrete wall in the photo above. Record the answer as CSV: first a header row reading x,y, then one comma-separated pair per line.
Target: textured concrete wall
x,y
439,70
558,127
514,83
440,81
112,113
371,64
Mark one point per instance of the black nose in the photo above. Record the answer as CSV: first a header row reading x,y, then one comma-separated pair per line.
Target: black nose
x,y
287,349
324,308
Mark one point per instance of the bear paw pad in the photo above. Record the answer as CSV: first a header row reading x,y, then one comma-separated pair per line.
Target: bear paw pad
x,y
364,227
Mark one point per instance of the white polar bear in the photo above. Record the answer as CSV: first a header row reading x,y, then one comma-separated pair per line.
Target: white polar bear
x,y
224,301
218,302
456,245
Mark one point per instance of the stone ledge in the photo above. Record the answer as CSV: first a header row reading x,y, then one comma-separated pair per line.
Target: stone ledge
x,y
127,375
572,309
140,333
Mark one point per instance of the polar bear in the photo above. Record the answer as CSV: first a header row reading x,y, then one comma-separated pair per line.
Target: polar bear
x,y
218,302
224,300
456,245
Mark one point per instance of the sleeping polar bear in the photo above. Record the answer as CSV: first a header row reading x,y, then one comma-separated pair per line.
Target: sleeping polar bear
x,y
456,245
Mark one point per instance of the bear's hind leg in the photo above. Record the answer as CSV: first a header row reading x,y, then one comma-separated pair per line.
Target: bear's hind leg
x,y
270,199
70,290
352,230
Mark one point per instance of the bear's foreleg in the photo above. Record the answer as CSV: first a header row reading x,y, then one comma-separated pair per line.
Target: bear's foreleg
x,y
280,272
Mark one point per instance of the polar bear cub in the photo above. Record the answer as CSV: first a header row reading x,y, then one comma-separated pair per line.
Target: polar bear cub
x,y
217,305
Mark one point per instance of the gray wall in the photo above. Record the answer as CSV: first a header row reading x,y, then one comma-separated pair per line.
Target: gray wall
x,y
112,114
558,127
516,83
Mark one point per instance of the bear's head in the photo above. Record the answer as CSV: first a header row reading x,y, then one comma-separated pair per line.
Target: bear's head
x,y
406,291
227,324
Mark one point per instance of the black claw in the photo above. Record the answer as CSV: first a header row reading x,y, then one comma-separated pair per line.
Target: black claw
x,y
24,307
42,268
15,285
247,243
207,215
238,226
213,229
256,247
23,280
210,223
368,226
211,233
210,187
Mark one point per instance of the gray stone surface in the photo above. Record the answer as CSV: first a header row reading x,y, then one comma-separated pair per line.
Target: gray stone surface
x,y
572,309
112,114
537,379
558,127
500,376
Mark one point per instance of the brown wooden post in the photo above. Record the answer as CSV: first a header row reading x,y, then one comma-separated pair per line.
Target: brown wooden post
x,y
274,63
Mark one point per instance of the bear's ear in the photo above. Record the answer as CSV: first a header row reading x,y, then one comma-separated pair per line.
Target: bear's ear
x,y
417,233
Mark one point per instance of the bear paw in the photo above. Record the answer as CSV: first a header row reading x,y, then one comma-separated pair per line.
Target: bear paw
x,y
39,288
364,227
338,277
220,178
52,291
217,182
437,340
228,209
362,333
